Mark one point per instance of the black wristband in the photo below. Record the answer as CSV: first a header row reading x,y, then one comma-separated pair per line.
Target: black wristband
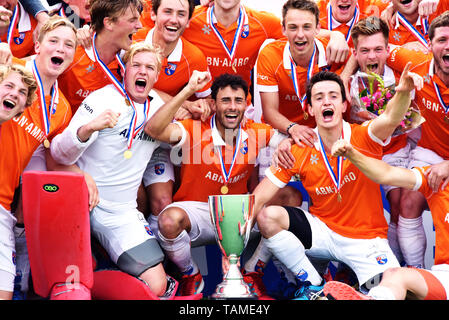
x,y
289,127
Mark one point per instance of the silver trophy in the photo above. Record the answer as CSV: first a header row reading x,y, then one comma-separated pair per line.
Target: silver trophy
x,y
232,217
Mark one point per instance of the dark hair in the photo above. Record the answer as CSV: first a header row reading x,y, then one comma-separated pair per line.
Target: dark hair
x,y
306,5
228,80
325,76
157,3
368,27
440,21
100,9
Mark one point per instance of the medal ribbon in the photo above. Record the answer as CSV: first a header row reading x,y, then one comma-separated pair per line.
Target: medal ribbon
x,y
227,175
413,30
355,19
295,77
46,112
133,130
336,179
440,98
12,24
240,22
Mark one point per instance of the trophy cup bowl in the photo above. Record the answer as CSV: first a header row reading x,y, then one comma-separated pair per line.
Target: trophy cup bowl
x,y
232,217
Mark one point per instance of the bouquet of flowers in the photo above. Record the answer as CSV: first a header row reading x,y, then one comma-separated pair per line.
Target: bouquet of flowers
x,y
370,94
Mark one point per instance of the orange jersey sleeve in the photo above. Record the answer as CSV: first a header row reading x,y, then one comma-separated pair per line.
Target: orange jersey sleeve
x,y
438,204
145,16
434,131
84,76
260,26
178,67
201,172
20,138
360,213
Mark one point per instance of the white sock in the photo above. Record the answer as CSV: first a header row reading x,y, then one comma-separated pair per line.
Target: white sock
x,y
259,258
412,240
291,252
393,241
178,251
381,293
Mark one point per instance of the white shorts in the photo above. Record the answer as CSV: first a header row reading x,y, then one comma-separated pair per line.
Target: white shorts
x,y
159,169
366,257
420,157
400,158
119,227
7,250
202,230
441,272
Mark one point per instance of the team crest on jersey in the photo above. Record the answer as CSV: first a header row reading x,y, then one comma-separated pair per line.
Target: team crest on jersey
x,y
14,257
148,230
382,259
170,69
245,31
313,159
244,148
19,40
159,168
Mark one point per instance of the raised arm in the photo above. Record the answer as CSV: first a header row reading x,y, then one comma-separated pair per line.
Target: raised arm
x,y
160,125
385,124
375,169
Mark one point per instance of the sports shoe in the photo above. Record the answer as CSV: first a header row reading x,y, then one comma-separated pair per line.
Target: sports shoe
x,y
335,290
191,284
256,285
310,292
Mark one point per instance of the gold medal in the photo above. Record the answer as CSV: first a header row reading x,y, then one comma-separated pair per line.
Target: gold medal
x,y
234,69
224,189
306,115
339,197
128,154
127,102
46,143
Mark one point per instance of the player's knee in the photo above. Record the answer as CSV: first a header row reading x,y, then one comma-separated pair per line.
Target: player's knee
x,y
266,219
412,204
170,222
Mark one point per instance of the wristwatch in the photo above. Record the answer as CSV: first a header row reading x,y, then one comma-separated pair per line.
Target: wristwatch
x,y
289,127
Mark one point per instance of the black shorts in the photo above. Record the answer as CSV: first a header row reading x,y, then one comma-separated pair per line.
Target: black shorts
x,y
300,226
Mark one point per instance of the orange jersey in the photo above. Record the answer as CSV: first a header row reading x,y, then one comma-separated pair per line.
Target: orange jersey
x,y
145,16
178,67
83,76
274,74
434,131
400,34
365,9
359,214
257,27
439,207
20,138
22,43
201,173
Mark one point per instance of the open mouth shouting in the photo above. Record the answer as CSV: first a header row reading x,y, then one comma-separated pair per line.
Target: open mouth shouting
x,y
140,85
300,45
446,59
9,104
56,61
172,29
344,8
405,2
328,114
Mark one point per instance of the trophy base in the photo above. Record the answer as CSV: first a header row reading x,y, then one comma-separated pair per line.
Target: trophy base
x,y
233,289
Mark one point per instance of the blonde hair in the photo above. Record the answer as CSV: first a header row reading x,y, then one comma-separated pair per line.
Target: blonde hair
x,y
54,22
143,47
27,79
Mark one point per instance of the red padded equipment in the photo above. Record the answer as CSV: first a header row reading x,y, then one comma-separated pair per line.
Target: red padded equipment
x,y
56,216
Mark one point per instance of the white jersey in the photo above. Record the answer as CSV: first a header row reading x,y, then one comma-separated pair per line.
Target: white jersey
x,y
102,156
